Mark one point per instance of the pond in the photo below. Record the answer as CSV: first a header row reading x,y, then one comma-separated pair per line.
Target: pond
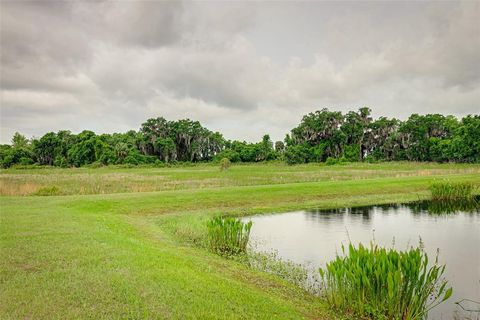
x,y
314,237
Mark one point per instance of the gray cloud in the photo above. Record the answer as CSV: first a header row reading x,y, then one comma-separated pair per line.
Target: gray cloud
x,y
244,69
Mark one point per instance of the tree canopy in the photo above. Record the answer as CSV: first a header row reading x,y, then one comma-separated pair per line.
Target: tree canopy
x,y
321,136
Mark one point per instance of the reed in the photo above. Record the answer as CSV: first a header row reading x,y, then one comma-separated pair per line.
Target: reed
x,y
381,283
452,191
228,236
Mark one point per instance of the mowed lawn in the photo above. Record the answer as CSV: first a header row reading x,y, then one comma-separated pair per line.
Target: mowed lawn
x,y
115,243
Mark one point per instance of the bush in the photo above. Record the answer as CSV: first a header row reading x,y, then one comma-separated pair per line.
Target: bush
x,y
95,165
60,161
230,154
352,153
24,161
384,284
225,164
331,161
297,154
47,191
228,236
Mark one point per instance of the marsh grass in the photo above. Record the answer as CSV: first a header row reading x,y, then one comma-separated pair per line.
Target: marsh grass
x,y
452,191
228,236
384,283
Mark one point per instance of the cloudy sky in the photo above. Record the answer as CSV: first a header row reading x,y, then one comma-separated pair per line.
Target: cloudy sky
x,y
243,69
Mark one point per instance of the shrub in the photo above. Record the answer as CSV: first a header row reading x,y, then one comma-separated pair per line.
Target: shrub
x,y
331,161
384,284
225,164
230,154
228,236
451,191
351,152
297,154
47,191
24,161
60,161
95,165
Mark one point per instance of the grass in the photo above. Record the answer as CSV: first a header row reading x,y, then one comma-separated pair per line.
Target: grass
x,y
384,283
452,191
107,180
118,251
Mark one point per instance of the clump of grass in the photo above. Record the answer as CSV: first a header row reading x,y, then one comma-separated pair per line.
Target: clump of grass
x,y
384,284
47,191
452,191
225,164
228,236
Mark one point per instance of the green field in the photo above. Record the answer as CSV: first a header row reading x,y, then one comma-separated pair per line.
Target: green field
x,y
118,243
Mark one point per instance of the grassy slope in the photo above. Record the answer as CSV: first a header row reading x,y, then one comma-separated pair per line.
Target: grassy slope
x,y
114,255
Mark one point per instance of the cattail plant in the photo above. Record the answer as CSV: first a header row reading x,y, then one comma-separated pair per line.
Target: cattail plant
x,y
383,283
228,236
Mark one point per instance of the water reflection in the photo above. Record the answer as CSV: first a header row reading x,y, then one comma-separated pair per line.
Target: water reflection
x,y
446,207
315,237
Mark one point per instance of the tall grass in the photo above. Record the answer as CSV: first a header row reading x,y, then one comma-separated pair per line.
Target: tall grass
x,y
383,283
452,191
228,236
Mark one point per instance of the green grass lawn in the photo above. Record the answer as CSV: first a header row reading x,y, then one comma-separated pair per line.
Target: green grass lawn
x,y
107,248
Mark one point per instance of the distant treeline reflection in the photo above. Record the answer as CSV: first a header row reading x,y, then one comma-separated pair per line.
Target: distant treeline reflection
x,y
416,207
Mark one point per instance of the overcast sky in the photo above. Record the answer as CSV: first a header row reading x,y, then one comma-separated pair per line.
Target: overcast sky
x,y
243,69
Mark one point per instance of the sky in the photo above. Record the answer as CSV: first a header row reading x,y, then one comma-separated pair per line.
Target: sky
x,y
241,68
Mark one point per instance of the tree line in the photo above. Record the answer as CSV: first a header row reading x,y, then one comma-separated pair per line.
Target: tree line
x,y
322,136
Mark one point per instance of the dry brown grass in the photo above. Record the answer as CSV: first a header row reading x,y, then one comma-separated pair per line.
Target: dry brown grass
x,y
23,189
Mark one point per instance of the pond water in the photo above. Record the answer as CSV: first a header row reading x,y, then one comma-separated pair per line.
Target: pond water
x,y
315,237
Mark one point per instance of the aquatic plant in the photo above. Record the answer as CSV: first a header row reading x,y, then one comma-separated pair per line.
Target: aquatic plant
x,y
384,283
228,236
450,191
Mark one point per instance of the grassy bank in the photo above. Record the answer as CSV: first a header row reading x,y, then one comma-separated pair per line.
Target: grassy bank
x,y
117,253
